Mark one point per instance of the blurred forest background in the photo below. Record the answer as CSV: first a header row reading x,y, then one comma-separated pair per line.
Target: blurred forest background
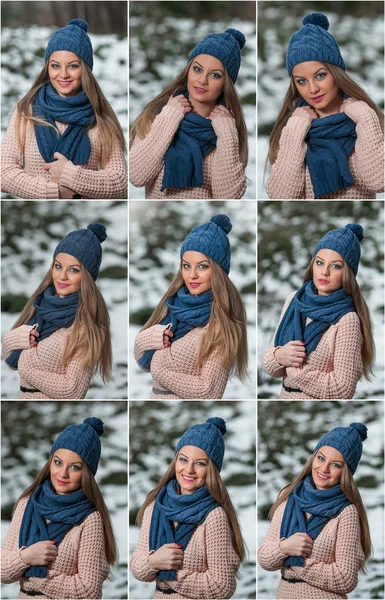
x,y
288,432
162,34
288,234
25,30
28,430
358,28
157,231
155,428
30,232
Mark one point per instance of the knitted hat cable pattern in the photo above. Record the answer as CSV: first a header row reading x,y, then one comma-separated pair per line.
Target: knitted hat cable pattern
x,y
226,47
208,437
83,439
85,245
313,42
211,239
346,241
73,38
348,441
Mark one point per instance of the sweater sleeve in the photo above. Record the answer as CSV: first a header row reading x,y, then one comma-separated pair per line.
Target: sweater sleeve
x,y
139,561
173,368
35,367
341,382
12,566
269,362
109,182
149,339
288,173
228,173
147,155
219,580
270,556
368,156
14,179
340,576
16,339
92,567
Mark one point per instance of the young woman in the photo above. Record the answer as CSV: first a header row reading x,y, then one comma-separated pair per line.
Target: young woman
x,y
324,343
60,541
64,140
196,337
328,140
319,535
190,541
62,337
191,141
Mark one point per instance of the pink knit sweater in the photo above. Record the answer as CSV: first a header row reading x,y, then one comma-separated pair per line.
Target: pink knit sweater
x,y
78,570
223,174
41,367
31,180
331,571
175,369
210,563
290,177
331,371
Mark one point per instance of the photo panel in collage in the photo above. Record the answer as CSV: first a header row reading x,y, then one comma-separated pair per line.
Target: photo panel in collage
x,y
192,300
320,100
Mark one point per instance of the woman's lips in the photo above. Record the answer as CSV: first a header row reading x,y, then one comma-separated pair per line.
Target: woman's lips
x,y
323,477
200,90
63,285
62,482
194,285
188,479
318,98
323,281
65,83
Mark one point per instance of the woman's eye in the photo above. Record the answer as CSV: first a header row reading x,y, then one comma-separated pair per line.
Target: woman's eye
x,y
57,266
73,270
197,68
319,262
320,457
321,75
74,66
216,75
337,266
201,464
301,81
203,267
185,266
57,462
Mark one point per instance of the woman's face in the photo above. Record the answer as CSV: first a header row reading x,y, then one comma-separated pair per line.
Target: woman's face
x,y
317,86
327,467
328,267
196,272
64,70
66,274
191,469
66,471
205,79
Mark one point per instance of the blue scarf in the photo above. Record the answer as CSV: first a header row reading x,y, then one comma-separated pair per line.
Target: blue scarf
x,y
188,510
330,141
185,312
62,510
194,139
51,313
321,504
324,310
76,111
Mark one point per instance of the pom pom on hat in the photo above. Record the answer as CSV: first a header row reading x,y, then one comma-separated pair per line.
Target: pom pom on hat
x,y
222,221
96,423
99,230
318,19
357,230
218,422
238,36
80,23
361,429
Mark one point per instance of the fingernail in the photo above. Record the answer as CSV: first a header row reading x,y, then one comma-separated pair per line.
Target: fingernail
x,y
310,536
53,541
179,545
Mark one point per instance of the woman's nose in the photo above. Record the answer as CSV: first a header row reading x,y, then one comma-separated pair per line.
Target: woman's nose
x,y
203,78
63,73
314,87
194,273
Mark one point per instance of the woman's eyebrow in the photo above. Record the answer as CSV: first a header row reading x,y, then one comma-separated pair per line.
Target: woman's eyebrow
x,y
70,63
333,261
313,73
181,454
195,61
77,462
336,460
59,263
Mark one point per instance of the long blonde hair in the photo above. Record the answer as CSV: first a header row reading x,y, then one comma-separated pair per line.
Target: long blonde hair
x,y
217,489
93,493
349,488
347,86
351,287
227,325
90,336
142,124
109,129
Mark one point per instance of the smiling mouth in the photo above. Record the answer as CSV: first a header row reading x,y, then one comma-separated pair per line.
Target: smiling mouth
x,y
64,82
188,478
323,477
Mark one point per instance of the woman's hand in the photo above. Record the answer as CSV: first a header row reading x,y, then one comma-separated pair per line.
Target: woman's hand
x,y
33,335
180,102
291,354
220,111
166,336
41,553
305,112
65,192
346,107
168,556
56,168
298,544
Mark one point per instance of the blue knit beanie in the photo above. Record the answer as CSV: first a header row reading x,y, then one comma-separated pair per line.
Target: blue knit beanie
x,y
208,437
84,244
348,441
345,241
73,38
82,439
226,47
313,42
211,239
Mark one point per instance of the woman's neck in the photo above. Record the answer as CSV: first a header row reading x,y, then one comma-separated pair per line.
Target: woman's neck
x,y
331,109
